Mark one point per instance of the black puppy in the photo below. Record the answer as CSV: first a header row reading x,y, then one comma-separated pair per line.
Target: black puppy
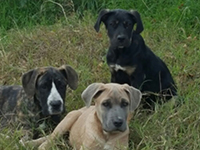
x,y
130,60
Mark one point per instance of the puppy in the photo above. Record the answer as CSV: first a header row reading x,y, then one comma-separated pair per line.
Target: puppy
x,y
101,126
130,60
42,96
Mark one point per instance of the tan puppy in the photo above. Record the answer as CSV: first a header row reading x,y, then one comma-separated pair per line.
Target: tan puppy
x,y
102,126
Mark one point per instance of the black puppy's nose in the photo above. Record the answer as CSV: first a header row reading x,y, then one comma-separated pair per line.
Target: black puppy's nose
x,y
55,103
121,38
118,123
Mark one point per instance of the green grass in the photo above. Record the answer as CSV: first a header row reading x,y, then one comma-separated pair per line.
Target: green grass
x,y
74,41
28,13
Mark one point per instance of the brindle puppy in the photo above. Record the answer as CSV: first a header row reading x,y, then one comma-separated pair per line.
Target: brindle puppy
x,y
42,97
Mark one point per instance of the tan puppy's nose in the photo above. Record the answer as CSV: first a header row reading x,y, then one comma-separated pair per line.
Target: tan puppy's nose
x,y
118,123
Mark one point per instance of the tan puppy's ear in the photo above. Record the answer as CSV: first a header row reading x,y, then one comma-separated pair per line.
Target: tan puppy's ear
x,y
71,75
92,91
29,81
135,96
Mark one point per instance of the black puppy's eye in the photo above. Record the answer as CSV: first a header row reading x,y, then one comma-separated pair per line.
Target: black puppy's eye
x,y
124,104
106,104
127,24
114,23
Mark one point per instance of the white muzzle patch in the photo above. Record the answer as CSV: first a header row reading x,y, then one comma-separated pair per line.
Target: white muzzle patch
x,y
54,96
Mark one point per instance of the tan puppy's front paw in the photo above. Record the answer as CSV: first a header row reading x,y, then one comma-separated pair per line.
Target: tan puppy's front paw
x,y
45,146
33,143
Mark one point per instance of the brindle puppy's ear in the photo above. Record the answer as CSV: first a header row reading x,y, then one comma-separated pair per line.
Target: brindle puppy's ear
x,y
135,96
29,81
136,17
71,75
92,91
102,17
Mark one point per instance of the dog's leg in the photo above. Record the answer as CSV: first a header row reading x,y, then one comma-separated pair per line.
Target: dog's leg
x,y
61,129
33,143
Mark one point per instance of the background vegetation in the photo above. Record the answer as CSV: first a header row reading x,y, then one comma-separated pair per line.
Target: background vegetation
x,y
36,33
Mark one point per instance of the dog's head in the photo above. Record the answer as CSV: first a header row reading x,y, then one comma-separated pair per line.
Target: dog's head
x,y
113,103
48,86
119,24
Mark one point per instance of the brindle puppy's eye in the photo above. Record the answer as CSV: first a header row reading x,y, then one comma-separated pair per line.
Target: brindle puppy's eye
x,y
124,104
44,86
60,84
106,104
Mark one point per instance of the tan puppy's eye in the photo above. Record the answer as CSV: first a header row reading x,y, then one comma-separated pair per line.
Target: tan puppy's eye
x,y
106,103
124,103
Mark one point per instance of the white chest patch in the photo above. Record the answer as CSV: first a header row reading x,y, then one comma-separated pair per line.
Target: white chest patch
x,y
128,69
117,67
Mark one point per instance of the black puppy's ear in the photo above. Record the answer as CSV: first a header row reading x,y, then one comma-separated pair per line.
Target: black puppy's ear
x,y
29,80
101,18
71,75
138,20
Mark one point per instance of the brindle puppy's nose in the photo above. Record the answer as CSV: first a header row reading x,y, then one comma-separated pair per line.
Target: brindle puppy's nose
x,y
118,123
55,104
121,38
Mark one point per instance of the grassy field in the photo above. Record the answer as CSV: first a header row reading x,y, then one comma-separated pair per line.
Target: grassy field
x,y
72,40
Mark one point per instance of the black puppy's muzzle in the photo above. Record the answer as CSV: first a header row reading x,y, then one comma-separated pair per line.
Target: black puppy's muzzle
x,y
121,41
121,38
